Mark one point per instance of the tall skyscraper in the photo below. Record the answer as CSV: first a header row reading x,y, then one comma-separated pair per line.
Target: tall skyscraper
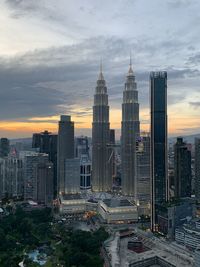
x,y
130,133
101,167
159,170
143,170
65,149
197,169
182,169
46,142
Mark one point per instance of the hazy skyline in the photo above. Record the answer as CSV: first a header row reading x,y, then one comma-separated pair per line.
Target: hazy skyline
x,y
50,52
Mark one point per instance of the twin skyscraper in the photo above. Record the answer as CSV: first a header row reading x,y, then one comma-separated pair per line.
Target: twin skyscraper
x,y
101,154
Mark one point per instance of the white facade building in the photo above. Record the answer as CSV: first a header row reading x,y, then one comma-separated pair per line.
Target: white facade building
x,y
117,211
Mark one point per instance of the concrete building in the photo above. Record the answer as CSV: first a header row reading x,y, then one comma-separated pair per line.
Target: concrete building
x,y
197,169
189,235
72,204
182,170
81,146
11,177
1,179
46,142
65,149
129,134
174,215
43,191
143,171
101,152
30,160
4,147
197,257
112,159
85,172
117,211
72,176
159,155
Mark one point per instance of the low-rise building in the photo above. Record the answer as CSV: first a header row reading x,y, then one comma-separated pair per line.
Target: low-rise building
x,y
189,235
197,257
72,204
173,215
117,211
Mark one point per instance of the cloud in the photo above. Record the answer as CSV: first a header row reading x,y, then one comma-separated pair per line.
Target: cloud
x,y
195,104
61,80
194,59
21,8
179,3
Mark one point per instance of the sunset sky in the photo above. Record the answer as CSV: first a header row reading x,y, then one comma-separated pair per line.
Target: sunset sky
x,y
50,52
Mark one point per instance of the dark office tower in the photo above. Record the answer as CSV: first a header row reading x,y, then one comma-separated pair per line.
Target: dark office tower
x,y
101,167
159,174
4,147
182,169
65,148
112,136
129,134
197,169
43,191
46,142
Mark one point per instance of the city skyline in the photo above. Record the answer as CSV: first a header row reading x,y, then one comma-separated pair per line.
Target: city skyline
x,y
48,81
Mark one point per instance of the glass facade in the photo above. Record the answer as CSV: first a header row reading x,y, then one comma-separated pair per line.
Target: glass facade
x,y
158,84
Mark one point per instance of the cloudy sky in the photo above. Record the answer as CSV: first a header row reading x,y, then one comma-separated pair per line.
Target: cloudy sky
x,y
50,52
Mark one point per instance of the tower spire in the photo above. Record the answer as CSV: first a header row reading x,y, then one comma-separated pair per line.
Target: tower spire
x,y
101,78
130,71
130,59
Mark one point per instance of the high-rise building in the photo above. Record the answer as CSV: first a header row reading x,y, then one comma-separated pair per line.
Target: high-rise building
x,y
113,154
182,169
72,176
46,142
43,191
30,160
2,179
101,151
4,147
65,149
130,133
159,156
11,177
85,172
197,169
112,136
81,146
143,170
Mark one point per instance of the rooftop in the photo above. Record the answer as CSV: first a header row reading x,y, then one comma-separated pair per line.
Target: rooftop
x,y
71,196
114,202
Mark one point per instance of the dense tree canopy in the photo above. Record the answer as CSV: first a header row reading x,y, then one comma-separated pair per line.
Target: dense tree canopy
x,y
22,232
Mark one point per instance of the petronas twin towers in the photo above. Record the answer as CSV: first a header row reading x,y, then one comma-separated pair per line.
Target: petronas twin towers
x,y
101,168
101,148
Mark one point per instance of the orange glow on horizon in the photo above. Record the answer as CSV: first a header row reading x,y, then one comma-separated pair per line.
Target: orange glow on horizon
x,y
177,124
